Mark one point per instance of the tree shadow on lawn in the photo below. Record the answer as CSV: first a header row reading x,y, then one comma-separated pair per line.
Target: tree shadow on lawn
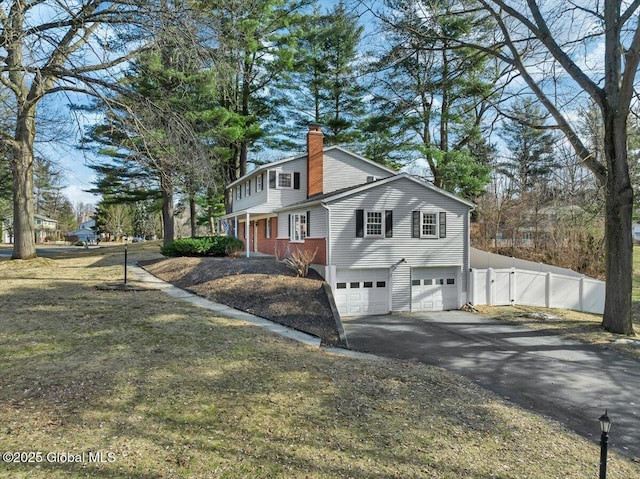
x,y
173,390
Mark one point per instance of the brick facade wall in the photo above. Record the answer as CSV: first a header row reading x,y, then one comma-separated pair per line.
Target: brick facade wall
x,y
286,248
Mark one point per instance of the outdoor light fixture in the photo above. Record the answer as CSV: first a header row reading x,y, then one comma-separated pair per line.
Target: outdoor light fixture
x,y
605,427
605,423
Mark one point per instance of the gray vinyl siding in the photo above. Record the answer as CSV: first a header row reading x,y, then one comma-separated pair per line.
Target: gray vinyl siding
x,y
402,197
400,291
342,170
254,199
269,197
318,222
279,198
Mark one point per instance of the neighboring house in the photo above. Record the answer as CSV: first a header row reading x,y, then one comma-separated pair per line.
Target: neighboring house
x,y
385,242
85,232
636,232
45,229
6,226
530,228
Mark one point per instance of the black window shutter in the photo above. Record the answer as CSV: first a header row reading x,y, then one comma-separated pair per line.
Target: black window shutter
x,y
296,181
388,224
266,222
359,223
415,226
443,224
308,223
272,179
289,226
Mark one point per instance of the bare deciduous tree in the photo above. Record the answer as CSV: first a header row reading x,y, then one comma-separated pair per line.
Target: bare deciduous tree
x,y
550,45
47,47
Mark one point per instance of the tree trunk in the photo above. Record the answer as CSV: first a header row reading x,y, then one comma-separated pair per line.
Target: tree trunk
x,y
192,213
618,233
168,228
24,246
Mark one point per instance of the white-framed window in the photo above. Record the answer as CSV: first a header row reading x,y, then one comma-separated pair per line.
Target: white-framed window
x,y
285,180
259,183
298,227
238,192
374,223
429,225
247,188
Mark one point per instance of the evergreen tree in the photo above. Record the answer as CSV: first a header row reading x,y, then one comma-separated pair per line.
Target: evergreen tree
x,y
436,95
154,133
252,49
325,85
47,187
531,161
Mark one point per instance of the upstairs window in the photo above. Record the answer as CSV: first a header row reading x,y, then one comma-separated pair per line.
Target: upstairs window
x,y
285,180
259,183
429,224
247,188
373,223
238,192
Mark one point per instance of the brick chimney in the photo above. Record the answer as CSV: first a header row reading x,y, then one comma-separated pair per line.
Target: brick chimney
x,y
315,145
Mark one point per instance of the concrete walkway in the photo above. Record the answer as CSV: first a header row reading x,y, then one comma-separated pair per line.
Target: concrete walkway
x,y
140,275
570,382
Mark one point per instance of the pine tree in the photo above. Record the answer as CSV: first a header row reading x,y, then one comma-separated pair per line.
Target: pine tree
x,y
325,86
252,50
436,96
530,162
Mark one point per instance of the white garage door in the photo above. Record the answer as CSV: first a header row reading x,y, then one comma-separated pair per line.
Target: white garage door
x,y
362,291
434,289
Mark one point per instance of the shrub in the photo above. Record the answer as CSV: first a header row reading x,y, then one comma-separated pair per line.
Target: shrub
x,y
203,246
300,261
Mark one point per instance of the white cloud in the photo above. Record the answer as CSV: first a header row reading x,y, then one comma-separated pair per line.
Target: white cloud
x,y
75,194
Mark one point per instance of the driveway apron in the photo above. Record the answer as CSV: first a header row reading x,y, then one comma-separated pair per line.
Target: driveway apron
x,y
570,382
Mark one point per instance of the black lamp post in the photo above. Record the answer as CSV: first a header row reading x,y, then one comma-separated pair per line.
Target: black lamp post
x,y
125,263
605,427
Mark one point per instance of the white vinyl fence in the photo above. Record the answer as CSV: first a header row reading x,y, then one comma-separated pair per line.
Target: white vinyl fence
x,y
513,286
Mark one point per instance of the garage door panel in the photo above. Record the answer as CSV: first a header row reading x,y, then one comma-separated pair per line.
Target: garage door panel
x,y
362,291
434,289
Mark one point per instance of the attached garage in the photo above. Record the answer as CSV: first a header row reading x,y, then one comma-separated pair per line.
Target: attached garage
x,y
362,291
434,289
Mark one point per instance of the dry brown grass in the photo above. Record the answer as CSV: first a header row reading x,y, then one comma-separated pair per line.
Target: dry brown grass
x,y
175,391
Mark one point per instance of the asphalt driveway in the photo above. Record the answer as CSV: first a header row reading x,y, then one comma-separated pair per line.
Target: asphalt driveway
x,y
570,382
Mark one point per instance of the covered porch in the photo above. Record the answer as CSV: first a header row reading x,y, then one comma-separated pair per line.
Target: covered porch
x,y
256,228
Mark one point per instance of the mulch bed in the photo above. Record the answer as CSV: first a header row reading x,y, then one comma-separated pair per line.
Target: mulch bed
x,y
258,285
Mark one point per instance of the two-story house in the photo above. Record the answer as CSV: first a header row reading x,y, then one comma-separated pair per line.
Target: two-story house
x,y
385,242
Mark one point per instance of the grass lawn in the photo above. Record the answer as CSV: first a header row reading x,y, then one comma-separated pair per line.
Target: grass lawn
x,y
164,389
